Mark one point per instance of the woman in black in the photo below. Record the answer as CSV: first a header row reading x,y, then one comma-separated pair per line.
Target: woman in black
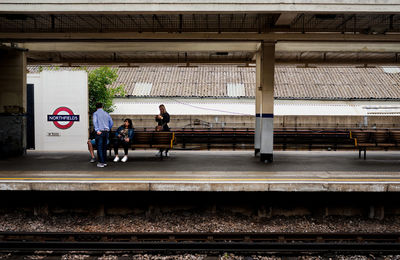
x,y
162,120
124,137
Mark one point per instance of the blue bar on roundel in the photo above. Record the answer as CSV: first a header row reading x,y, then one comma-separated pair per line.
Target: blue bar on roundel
x,y
62,117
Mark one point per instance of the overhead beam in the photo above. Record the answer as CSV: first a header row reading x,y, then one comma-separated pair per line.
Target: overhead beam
x,y
128,62
237,36
331,58
10,47
232,62
197,6
337,62
286,18
247,46
337,47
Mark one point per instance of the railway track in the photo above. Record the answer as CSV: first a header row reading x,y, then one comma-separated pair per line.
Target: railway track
x,y
267,243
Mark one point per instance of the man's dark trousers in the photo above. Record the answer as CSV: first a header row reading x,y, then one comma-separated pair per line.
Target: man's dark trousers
x,y
101,141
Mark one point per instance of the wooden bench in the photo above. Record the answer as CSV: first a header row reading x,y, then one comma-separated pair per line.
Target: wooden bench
x,y
150,140
312,138
395,136
374,139
208,138
283,138
158,140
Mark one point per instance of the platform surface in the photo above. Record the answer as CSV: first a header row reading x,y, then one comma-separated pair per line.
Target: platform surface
x,y
312,171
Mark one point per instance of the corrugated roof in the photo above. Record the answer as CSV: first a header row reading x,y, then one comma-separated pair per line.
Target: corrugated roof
x,y
291,82
391,69
235,90
142,89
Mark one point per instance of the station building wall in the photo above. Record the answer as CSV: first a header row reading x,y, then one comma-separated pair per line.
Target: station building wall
x,y
239,112
232,121
60,95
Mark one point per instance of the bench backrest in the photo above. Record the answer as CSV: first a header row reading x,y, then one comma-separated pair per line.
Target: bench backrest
x,y
154,138
396,136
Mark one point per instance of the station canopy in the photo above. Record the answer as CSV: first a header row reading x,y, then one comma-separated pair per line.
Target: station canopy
x,y
219,31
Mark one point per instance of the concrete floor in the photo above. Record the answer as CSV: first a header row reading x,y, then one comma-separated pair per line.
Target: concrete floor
x,y
205,171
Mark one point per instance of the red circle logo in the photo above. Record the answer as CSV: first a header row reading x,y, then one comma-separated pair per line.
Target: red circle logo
x,y
66,116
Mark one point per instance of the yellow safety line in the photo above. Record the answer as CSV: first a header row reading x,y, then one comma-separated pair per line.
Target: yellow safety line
x,y
202,179
172,140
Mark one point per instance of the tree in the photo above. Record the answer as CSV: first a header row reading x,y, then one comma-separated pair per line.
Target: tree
x,y
98,81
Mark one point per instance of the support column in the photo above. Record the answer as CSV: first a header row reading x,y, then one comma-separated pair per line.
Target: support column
x,y
12,102
267,96
257,132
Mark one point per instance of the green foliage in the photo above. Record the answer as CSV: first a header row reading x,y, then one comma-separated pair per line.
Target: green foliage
x,y
98,81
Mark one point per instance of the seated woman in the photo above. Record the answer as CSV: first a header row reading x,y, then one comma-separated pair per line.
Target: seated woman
x,y
124,137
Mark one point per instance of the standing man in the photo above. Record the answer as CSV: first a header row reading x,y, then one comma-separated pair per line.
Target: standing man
x,y
102,123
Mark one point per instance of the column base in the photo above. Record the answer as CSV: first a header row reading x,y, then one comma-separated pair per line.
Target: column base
x,y
256,151
266,157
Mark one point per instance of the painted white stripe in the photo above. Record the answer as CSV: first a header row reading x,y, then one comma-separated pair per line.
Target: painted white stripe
x,y
205,182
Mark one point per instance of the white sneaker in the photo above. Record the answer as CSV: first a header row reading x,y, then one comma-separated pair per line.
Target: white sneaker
x,y
100,165
124,159
159,154
116,159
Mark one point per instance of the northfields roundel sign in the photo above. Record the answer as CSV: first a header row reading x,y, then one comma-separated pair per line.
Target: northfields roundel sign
x,y
63,117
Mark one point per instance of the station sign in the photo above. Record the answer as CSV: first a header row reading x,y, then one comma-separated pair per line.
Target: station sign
x,y
63,118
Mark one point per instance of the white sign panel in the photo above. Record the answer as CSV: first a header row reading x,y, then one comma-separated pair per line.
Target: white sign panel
x,y
61,110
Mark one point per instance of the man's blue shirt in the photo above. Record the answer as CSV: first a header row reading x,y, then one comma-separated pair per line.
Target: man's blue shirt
x,y
102,120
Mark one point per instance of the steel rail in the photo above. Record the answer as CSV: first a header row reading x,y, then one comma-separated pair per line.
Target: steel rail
x,y
269,243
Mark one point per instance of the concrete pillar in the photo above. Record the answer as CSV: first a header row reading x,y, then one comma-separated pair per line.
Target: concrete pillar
x,y
12,101
257,134
267,67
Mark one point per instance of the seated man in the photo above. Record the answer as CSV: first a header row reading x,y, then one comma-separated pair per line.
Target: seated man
x,y
91,145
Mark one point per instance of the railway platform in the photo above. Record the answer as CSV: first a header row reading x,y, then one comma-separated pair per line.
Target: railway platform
x,y
291,171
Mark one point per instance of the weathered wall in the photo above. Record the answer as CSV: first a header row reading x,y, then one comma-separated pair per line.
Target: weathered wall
x,y
12,135
338,121
190,121
279,121
12,102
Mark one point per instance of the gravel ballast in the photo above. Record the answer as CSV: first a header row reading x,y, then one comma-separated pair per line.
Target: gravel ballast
x,y
193,222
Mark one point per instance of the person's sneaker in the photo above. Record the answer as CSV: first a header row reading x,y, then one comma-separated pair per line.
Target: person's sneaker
x,y
124,159
116,159
100,165
159,154
93,160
